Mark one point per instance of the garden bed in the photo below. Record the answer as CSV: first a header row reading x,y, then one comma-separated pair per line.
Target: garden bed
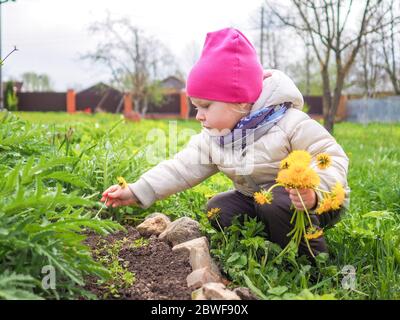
x,y
142,268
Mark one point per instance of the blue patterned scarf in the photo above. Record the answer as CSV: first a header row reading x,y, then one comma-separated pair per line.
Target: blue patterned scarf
x,y
256,123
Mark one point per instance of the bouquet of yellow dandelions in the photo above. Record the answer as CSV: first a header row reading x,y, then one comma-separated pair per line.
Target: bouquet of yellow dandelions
x,y
296,173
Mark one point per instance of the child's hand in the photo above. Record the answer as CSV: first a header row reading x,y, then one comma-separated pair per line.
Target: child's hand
x,y
117,196
308,196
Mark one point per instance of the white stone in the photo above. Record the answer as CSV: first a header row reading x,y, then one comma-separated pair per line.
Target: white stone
x,y
154,225
200,277
158,214
217,291
188,245
199,258
181,230
198,295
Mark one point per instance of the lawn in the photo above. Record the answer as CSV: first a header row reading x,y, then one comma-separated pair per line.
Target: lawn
x,y
55,165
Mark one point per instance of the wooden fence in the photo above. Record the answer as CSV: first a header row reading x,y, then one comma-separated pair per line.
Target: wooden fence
x,y
175,105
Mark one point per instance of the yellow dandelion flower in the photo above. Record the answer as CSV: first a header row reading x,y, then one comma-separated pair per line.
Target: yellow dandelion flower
x,y
284,164
338,195
263,197
213,212
325,205
122,182
333,201
323,160
299,157
313,233
298,176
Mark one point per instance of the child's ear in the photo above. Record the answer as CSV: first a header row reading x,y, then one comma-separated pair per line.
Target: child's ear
x,y
246,106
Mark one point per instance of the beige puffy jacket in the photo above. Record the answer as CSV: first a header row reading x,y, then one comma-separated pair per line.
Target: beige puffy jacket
x,y
202,157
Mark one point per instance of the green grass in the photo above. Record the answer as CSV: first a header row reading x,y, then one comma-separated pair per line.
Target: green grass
x,y
98,148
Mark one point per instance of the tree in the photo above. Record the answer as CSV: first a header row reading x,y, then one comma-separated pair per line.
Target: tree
x,y
36,82
377,68
135,61
2,60
366,75
305,74
190,55
326,23
269,44
390,46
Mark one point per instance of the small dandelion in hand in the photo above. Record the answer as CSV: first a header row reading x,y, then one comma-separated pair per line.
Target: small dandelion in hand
x,y
325,205
338,195
333,201
263,197
122,182
313,233
298,157
323,160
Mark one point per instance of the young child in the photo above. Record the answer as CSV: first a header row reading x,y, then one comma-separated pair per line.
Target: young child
x,y
251,121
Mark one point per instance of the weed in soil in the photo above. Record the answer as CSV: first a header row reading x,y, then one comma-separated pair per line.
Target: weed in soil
x,y
142,268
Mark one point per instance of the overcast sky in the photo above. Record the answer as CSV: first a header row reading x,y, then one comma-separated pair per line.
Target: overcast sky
x,y
52,34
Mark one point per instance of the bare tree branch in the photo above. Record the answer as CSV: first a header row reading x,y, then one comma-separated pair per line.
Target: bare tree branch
x,y
134,61
328,31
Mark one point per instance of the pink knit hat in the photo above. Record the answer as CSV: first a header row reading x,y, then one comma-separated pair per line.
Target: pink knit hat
x,y
228,69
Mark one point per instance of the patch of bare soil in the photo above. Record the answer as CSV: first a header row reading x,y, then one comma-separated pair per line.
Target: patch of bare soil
x,y
143,268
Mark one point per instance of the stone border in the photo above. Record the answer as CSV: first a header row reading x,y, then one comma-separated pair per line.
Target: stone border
x,y
183,234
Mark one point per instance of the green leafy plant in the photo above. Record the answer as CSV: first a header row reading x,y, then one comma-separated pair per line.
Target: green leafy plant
x,y
43,225
17,287
120,278
11,99
367,237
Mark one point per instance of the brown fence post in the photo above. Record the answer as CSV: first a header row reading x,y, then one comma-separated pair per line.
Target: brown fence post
x,y
184,105
128,109
71,101
341,113
127,103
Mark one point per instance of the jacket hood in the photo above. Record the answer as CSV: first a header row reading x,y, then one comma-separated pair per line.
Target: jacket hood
x,y
277,89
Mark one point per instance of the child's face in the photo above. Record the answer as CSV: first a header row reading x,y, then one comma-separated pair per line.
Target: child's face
x,y
218,115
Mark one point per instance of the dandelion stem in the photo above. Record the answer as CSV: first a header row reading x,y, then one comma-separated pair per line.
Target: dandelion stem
x,y
303,225
308,243
274,186
294,215
299,227
223,233
304,206
320,190
104,205
282,252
